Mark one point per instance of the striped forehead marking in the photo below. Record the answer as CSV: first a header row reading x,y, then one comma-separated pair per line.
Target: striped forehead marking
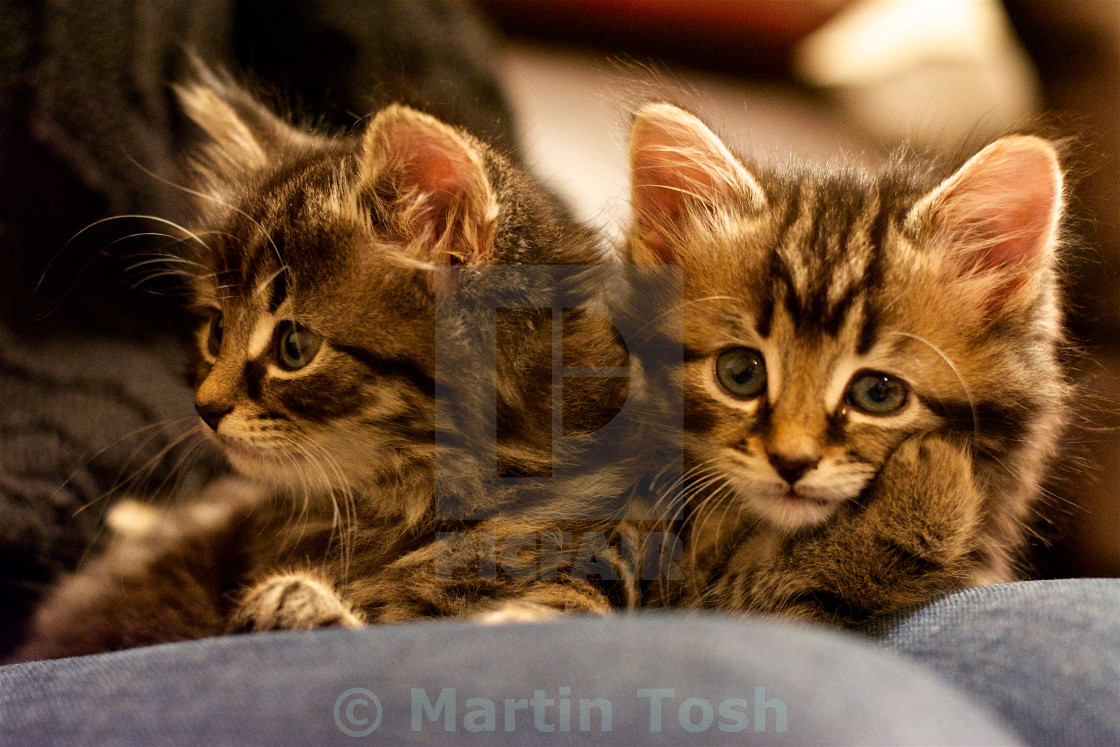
x,y
261,337
826,261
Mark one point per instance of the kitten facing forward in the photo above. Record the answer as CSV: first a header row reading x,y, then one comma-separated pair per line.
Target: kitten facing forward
x,y
871,376
322,267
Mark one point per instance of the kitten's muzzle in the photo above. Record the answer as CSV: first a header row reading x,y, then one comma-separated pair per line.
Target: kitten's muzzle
x,y
792,469
212,412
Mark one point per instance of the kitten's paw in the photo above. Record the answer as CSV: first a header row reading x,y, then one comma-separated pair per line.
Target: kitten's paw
x,y
545,602
292,601
928,457
913,539
216,508
133,519
518,611
926,499
930,472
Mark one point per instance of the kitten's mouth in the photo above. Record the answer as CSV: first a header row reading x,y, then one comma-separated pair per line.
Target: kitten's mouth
x,y
792,498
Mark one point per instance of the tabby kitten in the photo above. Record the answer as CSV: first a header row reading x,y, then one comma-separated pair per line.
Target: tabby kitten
x,y
322,267
872,390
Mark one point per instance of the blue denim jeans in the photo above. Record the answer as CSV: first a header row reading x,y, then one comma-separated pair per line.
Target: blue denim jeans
x,y
1033,662
1045,655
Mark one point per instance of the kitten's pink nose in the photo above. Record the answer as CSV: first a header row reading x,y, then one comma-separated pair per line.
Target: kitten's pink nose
x,y
792,469
212,411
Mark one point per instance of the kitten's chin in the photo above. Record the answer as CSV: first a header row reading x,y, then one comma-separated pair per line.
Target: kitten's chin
x,y
270,472
792,512
788,510
276,470
770,499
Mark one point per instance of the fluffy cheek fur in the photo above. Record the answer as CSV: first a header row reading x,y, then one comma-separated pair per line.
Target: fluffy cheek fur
x,y
347,432
317,457
726,453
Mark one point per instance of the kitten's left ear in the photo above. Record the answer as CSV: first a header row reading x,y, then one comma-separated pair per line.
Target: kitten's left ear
x,y
998,216
429,182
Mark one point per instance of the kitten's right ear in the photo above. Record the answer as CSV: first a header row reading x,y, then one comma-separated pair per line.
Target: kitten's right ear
x,y
428,181
680,171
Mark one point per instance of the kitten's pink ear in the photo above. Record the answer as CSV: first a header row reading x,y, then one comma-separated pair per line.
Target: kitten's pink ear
x,y
680,171
429,182
998,216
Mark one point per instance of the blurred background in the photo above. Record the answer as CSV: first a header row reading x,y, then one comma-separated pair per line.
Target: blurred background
x,y
824,78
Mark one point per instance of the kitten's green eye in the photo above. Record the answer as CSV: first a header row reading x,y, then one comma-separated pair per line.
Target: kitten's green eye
x,y
877,393
296,345
214,337
742,372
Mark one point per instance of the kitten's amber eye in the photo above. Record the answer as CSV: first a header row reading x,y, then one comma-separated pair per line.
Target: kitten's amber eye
x,y
877,393
214,338
296,345
742,372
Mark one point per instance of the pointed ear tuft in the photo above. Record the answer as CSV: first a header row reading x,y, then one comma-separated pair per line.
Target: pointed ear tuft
x,y
239,134
999,215
428,181
679,169
230,139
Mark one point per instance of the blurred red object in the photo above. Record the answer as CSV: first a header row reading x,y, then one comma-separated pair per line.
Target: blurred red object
x,y
733,35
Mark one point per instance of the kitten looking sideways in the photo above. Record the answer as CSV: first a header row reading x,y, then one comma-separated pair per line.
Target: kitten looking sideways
x,y
871,379
320,266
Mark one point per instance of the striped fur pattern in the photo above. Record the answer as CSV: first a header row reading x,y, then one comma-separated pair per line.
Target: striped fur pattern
x,y
318,266
327,260
871,376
